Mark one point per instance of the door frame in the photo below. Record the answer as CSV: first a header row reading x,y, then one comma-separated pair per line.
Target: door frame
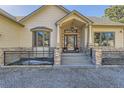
x,y
75,42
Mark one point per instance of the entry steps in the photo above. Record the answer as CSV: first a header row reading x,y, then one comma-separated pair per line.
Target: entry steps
x,y
75,59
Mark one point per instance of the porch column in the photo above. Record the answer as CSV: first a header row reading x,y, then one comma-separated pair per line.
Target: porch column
x,y
90,37
57,51
58,36
86,35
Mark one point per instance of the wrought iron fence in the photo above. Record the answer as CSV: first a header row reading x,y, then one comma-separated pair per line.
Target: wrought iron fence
x,y
113,57
29,57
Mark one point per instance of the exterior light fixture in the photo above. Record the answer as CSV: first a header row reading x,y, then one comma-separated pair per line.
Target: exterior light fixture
x,y
121,31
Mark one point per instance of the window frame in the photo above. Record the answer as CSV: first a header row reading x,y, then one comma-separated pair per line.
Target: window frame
x,y
35,38
100,45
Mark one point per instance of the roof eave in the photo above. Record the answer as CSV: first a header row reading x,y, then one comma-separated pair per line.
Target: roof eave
x,y
83,16
65,9
107,25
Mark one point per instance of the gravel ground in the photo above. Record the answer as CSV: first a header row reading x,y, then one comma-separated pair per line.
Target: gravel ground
x,y
61,77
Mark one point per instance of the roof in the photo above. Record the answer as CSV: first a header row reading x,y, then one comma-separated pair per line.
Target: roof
x,y
94,19
9,16
32,13
103,21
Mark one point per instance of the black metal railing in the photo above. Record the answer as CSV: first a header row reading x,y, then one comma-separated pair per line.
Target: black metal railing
x,y
86,51
29,57
113,57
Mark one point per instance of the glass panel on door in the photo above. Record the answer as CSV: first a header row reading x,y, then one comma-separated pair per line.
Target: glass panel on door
x,y
70,42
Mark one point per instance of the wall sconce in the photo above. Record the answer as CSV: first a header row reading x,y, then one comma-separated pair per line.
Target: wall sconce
x,y
121,31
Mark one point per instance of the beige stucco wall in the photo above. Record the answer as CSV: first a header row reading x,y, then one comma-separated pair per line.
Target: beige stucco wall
x,y
119,36
9,33
46,17
13,35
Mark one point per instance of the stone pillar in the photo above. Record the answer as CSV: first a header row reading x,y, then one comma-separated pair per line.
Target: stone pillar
x,y
97,56
57,56
1,57
90,37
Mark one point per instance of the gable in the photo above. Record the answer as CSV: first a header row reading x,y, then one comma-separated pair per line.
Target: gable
x,y
42,8
74,15
46,17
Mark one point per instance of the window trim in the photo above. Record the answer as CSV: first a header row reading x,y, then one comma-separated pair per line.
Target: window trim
x,y
101,39
35,38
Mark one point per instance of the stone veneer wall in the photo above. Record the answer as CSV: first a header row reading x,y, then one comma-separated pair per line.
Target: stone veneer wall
x,y
11,49
98,54
57,56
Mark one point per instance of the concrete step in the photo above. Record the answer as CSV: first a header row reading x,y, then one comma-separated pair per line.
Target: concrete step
x,y
75,59
72,54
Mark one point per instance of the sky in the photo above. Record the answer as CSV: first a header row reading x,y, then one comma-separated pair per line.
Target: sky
x,y
87,10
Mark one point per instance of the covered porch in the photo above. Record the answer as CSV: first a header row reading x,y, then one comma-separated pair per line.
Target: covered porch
x,y
74,35
74,32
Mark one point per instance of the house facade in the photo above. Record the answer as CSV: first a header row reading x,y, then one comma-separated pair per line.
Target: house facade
x,y
54,26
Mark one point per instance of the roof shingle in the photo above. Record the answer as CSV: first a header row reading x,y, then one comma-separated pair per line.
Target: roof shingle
x,y
103,21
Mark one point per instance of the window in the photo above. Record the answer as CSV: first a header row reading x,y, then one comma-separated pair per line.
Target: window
x,y
41,39
104,38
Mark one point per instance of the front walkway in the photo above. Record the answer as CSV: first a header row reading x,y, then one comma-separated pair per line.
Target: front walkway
x,y
76,59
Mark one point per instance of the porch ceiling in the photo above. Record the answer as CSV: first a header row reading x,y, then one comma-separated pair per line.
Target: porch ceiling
x,y
73,22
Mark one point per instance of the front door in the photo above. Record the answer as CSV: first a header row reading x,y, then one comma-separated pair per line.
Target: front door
x,y
70,43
